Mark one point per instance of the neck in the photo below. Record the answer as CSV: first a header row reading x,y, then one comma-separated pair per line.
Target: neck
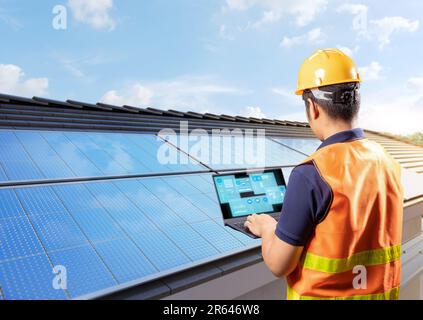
x,y
334,128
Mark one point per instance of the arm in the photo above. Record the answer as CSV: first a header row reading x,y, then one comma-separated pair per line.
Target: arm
x,y
280,257
306,201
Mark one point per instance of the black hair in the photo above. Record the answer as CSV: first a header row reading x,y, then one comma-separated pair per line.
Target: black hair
x,y
340,101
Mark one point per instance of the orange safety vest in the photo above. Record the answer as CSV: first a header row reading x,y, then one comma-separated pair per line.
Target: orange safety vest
x,y
360,235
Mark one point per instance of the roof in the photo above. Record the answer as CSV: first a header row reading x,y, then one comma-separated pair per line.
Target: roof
x,y
126,219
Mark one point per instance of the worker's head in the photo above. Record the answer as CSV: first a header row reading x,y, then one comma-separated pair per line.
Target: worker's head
x,y
332,105
329,84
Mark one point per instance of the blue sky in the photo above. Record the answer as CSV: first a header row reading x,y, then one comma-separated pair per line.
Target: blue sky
x,y
222,56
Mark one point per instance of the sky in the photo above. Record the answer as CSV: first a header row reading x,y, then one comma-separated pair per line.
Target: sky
x,y
237,57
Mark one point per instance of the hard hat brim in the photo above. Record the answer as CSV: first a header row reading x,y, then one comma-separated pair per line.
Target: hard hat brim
x,y
299,92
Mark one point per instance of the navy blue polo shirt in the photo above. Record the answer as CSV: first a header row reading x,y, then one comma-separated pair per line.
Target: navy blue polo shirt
x,y
308,197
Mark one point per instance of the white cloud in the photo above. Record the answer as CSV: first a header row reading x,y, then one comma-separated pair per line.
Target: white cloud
x,y
183,93
398,115
287,94
254,112
304,11
352,8
93,12
380,30
297,116
383,29
135,95
415,83
268,17
348,51
314,36
370,72
12,82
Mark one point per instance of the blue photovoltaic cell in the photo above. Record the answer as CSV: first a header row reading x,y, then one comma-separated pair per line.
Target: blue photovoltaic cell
x,y
47,160
126,156
17,239
107,163
75,159
40,200
210,207
153,208
121,210
97,225
76,197
157,186
9,204
151,144
204,183
217,235
34,155
160,250
58,231
194,245
3,176
181,185
86,272
185,209
17,170
125,260
29,279
307,146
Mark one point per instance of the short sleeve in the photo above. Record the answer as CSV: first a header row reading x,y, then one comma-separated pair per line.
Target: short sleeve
x,y
307,200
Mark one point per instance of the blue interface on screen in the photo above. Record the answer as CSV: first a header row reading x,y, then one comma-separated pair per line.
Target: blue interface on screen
x,y
250,194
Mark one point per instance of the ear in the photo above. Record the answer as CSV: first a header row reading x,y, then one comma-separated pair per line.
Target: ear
x,y
314,109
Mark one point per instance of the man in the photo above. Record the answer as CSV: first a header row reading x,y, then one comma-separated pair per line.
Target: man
x,y
339,233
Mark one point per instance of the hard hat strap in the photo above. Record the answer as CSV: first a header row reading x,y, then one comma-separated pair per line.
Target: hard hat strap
x,y
342,96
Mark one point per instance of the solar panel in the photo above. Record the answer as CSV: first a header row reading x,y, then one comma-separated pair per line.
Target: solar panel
x,y
35,155
231,152
108,233
306,146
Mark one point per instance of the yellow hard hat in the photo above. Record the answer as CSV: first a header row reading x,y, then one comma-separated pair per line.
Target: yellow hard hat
x,y
326,67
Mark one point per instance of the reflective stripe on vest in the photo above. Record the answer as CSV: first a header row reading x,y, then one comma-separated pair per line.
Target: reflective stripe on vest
x,y
364,258
389,295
